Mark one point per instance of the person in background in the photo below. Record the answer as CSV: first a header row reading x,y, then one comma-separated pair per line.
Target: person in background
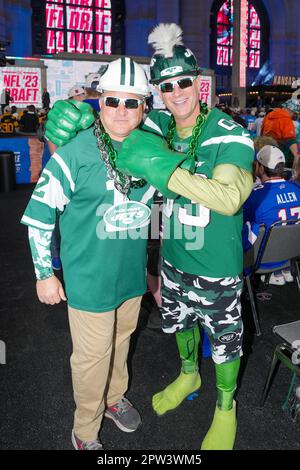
x,y
92,94
8,123
274,199
14,111
46,99
259,102
261,141
77,93
5,99
236,116
29,121
296,175
250,118
279,125
42,115
258,123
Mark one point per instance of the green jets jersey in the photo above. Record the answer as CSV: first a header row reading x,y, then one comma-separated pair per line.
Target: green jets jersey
x,y
103,234
197,240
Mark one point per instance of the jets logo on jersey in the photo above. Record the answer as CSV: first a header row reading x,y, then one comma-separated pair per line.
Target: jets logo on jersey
x,y
126,216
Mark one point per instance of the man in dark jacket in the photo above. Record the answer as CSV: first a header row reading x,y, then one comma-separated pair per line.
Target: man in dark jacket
x,y
29,122
46,99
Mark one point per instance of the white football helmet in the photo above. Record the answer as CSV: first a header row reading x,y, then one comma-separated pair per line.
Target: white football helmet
x,y
126,75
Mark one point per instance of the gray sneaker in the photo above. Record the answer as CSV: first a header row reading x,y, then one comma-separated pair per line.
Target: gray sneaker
x,y
85,445
124,415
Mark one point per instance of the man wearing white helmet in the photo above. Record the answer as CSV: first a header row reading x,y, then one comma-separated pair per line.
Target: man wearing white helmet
x,y
104,261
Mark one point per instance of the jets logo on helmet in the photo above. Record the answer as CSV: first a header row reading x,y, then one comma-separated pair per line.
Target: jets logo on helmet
x,y
124,75
171,57
188,53
171,71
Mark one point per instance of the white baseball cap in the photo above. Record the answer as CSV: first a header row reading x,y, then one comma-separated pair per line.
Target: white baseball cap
x,y
269,156
92,80
75,91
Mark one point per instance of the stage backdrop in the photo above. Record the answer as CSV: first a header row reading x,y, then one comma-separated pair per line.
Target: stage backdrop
x,y
25,83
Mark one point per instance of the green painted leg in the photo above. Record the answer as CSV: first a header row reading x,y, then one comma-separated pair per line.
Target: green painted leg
x,y
222,432
189,379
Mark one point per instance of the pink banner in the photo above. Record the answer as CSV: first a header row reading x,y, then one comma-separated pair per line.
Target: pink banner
x,y
23,84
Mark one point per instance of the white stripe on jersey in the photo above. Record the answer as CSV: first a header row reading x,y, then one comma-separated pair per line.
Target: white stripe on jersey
x,y
148,195
36,223
152,125
228,139
65,169
52,192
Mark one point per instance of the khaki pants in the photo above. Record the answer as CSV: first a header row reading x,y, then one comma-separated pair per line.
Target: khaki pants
x,y
99,362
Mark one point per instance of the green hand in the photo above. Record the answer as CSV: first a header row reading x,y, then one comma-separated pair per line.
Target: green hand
x,y
147,156
66,118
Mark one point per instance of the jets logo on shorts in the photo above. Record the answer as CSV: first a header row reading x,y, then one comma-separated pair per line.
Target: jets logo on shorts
x,y
227,338
126,216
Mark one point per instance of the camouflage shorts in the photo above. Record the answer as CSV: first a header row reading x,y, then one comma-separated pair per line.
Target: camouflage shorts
x,y
215,302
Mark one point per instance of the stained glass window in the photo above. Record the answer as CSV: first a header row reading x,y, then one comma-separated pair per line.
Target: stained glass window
x,y
225,35
79,26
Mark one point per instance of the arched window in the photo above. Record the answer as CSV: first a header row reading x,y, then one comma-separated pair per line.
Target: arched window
x,y
257,45
225,35
79,26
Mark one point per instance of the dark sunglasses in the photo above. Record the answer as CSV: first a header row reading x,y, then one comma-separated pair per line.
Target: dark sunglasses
x,y
129,103
183,83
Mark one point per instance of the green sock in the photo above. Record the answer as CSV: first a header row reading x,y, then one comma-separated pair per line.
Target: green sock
x,y
189,379
222,431
226,378
188,344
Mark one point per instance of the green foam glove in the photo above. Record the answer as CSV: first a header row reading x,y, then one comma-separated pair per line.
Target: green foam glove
x,y
147,156
66,118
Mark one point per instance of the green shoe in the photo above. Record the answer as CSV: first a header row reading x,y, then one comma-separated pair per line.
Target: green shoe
x,y
172,396
221,434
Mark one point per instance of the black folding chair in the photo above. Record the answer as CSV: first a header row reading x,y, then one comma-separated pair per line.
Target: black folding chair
x,y
287,352
280,243
250,258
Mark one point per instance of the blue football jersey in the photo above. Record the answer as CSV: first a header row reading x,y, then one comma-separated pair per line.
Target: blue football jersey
x,y
272,201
